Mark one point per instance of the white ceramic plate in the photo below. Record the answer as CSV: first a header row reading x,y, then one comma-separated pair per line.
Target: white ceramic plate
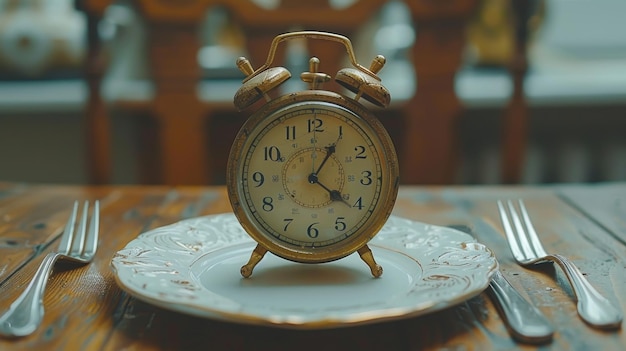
x,y
193,267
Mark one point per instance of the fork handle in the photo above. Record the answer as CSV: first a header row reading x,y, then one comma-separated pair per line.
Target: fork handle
x,y
594,308
523,320
26,312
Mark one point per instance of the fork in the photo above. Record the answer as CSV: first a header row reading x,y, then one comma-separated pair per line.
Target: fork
x,y
524,321
525,246
26,313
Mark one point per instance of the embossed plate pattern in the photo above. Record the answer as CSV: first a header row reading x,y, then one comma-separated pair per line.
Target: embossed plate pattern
x,y
193,267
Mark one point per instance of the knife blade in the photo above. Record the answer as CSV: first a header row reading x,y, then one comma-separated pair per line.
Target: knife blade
x,y
524,321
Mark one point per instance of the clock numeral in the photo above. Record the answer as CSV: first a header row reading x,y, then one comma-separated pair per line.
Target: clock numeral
x,y
340,225
359,203
258,178
313,232
272,153
367,178
287,223
360,152
315,125
290,132
268,204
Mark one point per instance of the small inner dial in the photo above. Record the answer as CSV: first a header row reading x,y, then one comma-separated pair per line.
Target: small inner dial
x,y
302,181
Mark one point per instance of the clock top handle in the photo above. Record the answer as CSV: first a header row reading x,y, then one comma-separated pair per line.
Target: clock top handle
x,y
312,35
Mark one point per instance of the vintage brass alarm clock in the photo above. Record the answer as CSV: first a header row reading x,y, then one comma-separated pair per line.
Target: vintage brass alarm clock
x,y
313,175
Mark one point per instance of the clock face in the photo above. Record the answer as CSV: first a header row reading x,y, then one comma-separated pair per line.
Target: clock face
x,y
313,180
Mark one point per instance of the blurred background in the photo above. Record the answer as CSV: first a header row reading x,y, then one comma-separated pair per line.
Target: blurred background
x,y
483,91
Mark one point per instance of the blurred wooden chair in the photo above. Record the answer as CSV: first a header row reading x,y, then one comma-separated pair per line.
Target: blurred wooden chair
x,y
173,44
428,145
430,154
427,139
172,47
97,124
500,33
515,118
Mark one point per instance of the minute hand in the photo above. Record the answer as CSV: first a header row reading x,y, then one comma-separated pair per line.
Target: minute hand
x,y
329,151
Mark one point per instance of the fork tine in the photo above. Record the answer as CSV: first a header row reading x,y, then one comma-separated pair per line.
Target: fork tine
x,y
530,230
526,247
68,233
79,235
514,244
91,243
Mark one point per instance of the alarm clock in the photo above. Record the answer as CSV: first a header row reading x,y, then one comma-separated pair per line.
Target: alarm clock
x,y
312,175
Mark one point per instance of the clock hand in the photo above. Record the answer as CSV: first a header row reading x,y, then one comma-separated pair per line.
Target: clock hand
x,y
314,154
329,151
335,195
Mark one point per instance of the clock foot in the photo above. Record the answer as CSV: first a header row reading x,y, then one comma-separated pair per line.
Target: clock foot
x,y
368,257
257,255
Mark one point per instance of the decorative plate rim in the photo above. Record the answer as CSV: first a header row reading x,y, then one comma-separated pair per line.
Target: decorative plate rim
x,y
156,267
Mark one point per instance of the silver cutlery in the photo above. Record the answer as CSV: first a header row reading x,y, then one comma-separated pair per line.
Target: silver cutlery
x,y
26,313
592,307
523,320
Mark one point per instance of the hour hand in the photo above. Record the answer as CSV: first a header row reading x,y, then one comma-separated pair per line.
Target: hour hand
x,y
335,195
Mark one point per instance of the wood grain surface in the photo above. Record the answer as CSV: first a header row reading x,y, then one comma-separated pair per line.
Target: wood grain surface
x,y
86,310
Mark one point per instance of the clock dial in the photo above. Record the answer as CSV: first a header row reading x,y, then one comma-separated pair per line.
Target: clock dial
x,y
314,181
311,175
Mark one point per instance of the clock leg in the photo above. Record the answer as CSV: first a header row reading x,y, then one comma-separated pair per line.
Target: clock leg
x,y
257,255
366,255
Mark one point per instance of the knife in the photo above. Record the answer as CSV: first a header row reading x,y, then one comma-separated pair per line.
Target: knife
x,y
523,320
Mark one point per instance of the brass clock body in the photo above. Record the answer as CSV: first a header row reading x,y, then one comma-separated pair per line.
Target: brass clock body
x,y
312,176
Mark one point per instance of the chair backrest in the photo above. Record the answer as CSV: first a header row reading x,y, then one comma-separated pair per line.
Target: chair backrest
x,y
426,124
515,117
97,124
430,152
172,45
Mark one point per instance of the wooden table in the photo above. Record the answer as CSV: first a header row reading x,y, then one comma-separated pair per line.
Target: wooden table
x,y
86,310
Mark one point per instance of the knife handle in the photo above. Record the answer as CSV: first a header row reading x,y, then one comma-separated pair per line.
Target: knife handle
x,y
523,320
